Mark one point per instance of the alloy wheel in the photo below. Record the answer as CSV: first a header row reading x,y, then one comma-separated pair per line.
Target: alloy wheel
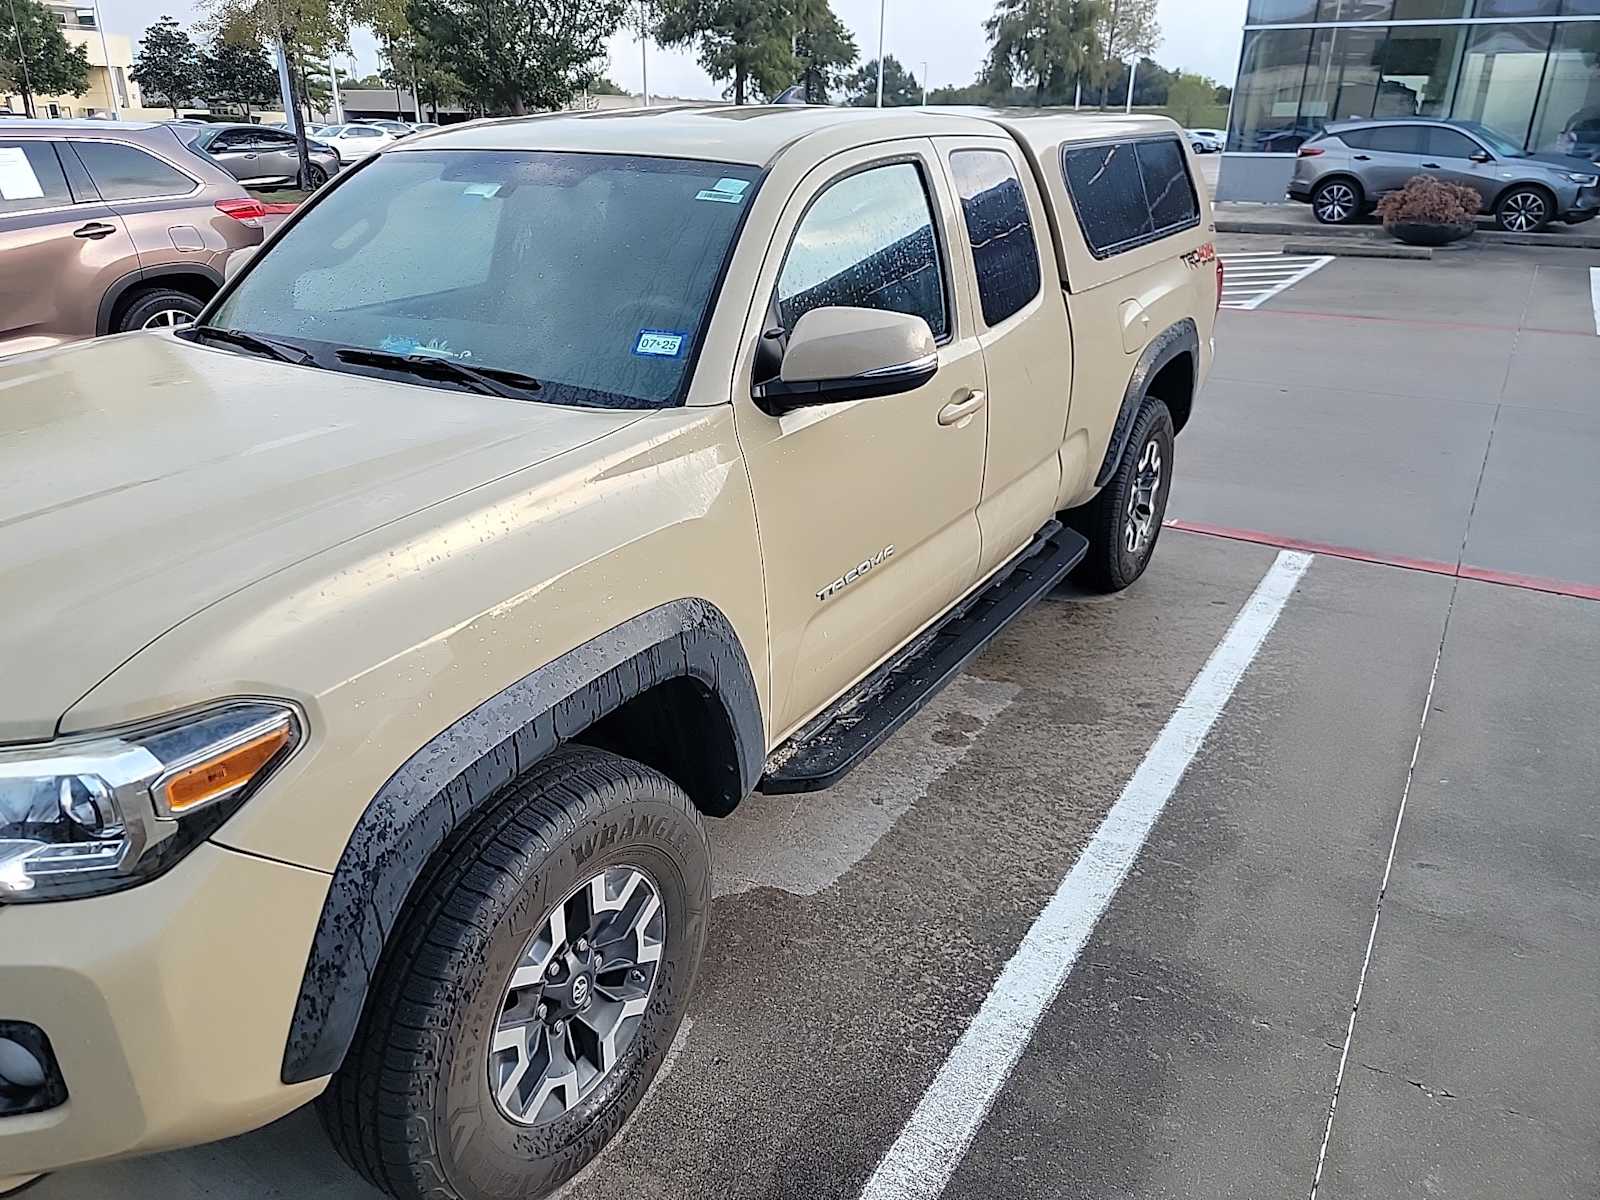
x,y
167,318
1336,203
1524,212
577,995
1139,528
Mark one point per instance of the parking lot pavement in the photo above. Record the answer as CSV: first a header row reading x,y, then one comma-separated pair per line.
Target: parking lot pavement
x,y
1205,1026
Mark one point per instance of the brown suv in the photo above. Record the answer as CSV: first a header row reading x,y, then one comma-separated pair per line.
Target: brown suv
x,y
109,227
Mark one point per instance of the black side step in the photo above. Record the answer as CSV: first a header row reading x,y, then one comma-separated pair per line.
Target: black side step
x,y
855,725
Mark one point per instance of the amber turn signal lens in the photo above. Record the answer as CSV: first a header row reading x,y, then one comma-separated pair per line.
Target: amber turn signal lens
x,y
226,772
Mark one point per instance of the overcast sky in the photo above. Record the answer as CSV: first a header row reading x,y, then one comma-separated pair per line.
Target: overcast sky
x,y
1198,35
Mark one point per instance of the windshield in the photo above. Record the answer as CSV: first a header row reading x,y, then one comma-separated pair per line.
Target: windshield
x,y
591,273
1498,142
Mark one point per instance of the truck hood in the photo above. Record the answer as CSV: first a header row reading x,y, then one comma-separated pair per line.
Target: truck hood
x,y
143,478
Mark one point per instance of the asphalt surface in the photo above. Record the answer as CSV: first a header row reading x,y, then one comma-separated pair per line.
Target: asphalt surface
x,y
1441,415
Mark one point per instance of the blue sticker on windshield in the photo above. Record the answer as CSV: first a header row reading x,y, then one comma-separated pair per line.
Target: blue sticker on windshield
x,y
660,343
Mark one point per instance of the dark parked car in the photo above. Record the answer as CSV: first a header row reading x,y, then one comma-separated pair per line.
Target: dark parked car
x,y
258,156
1343,171
1581,136
111,226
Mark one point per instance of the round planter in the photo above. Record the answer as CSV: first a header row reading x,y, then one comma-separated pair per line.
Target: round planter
x,y
1414,233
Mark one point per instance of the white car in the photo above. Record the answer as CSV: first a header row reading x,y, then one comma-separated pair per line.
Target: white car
x,y
1206,141
354,141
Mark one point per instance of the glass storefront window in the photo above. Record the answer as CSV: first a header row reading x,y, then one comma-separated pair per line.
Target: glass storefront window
x,y
1500,77
1580,8
1342,78
1431,10
1266,103
1419,71
1567,120
1280,12
1517,8
1354,10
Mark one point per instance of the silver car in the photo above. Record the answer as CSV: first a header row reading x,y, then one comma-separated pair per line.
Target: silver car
x,y
258,155
1344,170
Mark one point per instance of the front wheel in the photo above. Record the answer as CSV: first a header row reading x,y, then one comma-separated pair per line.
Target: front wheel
x,y
316,176
1123,521
532,988
1523,210
1336,202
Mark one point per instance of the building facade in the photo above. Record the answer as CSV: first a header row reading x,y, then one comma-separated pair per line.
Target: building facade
x,y
110,60
1529,69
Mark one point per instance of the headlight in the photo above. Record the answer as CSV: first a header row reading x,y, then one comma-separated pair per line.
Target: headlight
x,y
80,817
1584,180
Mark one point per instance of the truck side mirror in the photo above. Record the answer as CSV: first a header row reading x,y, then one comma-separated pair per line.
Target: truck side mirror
x,y
838,353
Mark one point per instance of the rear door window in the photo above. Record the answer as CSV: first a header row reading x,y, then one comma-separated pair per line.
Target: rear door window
x,y
127,173
999,229
1396,139
31,177
867,242
1129,193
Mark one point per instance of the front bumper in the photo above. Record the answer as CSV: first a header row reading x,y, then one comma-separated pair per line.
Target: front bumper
x,y
167,1005
1585,208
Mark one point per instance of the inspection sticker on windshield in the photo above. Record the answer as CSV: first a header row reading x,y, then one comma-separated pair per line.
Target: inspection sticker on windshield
x,y
725,191
659,343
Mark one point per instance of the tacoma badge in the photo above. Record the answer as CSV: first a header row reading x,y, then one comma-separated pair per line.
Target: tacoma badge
x,y
855,573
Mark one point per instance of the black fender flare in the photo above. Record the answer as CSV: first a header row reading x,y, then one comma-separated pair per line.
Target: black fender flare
x,y
461,768
1180,338
133,279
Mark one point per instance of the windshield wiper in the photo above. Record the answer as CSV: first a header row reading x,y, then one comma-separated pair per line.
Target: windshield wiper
x,y
491,381
282,351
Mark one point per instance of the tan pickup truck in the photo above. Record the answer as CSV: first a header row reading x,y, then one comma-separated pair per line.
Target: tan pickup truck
x,y
375,647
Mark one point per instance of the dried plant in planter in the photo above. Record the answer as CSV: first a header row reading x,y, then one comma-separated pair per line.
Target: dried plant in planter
x,y
1428,201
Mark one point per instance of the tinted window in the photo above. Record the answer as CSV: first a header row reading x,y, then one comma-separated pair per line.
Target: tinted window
x,y
1166,184
124,173
1447,143
228,139
1396,139
362,131
867,242
592,273
273,139
999,229
1108,193
31,177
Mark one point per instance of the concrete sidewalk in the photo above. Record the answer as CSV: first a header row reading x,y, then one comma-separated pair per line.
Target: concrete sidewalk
x,y
1295,220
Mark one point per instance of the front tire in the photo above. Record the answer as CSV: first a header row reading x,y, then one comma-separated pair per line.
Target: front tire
x,y
316,176
1123,521
1337,202
1523,210
487,1065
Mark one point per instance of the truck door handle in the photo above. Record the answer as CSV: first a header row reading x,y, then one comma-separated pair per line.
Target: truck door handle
x,y
1362,157
1435,166
959,410
94,230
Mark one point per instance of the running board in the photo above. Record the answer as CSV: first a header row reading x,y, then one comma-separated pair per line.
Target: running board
x,y
856,724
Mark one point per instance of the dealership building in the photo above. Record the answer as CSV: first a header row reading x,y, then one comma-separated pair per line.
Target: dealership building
x,y
1527,68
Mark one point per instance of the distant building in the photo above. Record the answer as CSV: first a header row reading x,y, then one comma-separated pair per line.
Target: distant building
x,y
79,28
1529,69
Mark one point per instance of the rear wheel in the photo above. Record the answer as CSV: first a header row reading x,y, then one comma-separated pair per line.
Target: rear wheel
x,y
1123,522
1336,201
1523,210
532,988
159,308
316,176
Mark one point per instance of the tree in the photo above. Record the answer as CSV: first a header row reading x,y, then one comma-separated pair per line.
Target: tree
x,y
823,50
1190,99
514,56
36,58
167,66
749,42
237,74
1045,44
1125,28
1223,95
604,87
900,86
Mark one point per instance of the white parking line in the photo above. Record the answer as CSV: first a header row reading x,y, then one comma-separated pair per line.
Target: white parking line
x,y
1594,295
923,1158
1251,279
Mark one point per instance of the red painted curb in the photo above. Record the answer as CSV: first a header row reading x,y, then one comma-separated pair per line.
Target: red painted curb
x,y
1532,583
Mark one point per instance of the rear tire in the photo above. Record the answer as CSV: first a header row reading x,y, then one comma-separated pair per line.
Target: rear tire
x,y
422,1105
1337,202
159,308
316,176
1123,522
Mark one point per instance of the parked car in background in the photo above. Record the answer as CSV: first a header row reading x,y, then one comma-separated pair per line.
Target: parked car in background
x,y
1581,136
110,227
259,156
424,126
354,141
1205,141
1344,170
398,128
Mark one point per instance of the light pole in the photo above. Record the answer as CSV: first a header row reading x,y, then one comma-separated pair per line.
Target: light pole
x,y
644,48
105,53
924,83
1133,69
882,4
